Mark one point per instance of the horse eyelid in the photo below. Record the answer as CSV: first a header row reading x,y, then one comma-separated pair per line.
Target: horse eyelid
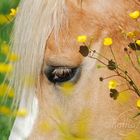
x,y
62,74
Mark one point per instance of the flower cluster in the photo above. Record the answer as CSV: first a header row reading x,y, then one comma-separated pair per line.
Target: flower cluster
x,y
113,66
8,18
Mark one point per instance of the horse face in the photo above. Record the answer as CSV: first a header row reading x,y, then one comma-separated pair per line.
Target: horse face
x,y
72,100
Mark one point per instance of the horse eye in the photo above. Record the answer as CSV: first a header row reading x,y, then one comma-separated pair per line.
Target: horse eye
x,y
59,74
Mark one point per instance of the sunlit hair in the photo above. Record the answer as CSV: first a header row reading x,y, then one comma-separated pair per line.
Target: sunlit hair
x,y
37,19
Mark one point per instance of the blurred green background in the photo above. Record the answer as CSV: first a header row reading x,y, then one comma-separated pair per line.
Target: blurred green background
x,y
8,10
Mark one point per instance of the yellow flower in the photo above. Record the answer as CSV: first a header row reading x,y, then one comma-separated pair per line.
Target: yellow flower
x,y
5,48
13,57
13,12
45,127
133,135
5,110
124,97
3,19
138,42
107,41
5,68
135,14
112,84
138,103
131,34
82,39
138,60
22,112
67,88
82,124
6,90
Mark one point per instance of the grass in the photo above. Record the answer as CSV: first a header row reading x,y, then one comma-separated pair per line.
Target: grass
x,y
6,24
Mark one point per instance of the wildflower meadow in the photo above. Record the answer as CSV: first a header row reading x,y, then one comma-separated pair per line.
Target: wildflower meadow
x,y
8,11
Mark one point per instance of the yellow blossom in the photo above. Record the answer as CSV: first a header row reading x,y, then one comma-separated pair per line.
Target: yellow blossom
x,y
83,122
82,39
13,12
22,112
131,34
138,60
5,68
138,103
3,19
135,14
13,57
112,84
138,42
124,97
5,89
5,48
107,41
132,136
80,127
67,88
5,110
45,127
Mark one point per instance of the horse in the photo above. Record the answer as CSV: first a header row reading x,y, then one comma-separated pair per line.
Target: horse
x,y
58,85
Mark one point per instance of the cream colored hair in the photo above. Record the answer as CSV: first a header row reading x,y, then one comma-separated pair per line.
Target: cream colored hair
x,y
37,18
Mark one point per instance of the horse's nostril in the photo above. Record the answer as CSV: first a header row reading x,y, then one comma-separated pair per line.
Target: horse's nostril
x,y
59,74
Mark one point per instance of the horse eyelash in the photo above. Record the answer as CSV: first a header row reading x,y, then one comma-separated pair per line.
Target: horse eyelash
x,y
61,71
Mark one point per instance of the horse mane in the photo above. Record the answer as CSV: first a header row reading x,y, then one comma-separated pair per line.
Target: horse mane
x,y
37,19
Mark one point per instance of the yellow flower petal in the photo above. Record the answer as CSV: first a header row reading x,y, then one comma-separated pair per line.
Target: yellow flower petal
x,y
112,84
13,12
22,112
131,34
138,42
5,110
6,90
135,14
5,68
138,60
132,136
123,97
67,88
4,19
13,57
45,127
5,48
82,39
108,41
64,128
82,125
138,103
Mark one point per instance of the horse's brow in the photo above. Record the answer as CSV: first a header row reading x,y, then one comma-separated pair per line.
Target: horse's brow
x,y
63,61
